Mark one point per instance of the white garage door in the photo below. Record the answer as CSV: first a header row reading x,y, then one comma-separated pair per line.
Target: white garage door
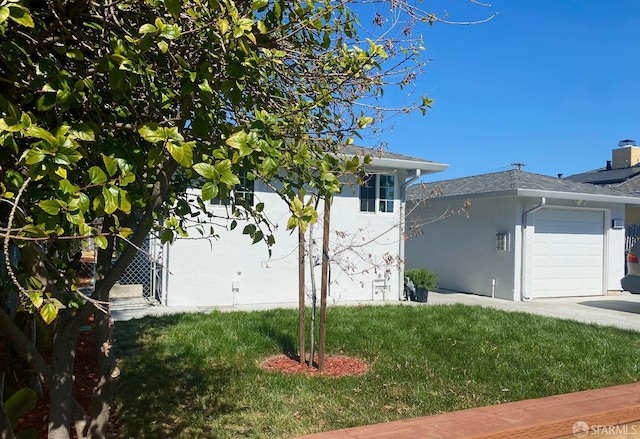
x,y
568,253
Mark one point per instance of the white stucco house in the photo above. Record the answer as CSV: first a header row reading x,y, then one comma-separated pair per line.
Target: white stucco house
x,y
366,248
524,236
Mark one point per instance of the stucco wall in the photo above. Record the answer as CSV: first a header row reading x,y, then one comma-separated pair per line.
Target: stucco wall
x,y
462,250
364,248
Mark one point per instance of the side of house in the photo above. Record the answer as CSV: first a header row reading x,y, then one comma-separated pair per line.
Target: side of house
x,y
366,249
526,236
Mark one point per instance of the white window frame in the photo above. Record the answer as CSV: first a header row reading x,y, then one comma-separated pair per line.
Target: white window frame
x,y
380,204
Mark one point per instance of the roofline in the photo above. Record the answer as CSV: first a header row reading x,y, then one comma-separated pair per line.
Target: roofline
x,y
425,166
537,193
577,195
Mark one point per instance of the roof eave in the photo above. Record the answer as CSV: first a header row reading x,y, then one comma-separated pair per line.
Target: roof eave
x,y
579,196
424,166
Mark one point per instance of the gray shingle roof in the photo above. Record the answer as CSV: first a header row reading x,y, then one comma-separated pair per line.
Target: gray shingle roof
x,y
507,182
380,153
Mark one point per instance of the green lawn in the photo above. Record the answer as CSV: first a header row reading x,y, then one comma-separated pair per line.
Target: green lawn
x,y
197,376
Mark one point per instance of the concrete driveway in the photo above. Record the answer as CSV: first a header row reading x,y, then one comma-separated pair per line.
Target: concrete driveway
x,y
622,311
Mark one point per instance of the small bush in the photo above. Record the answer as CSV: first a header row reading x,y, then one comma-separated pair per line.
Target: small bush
x,y
422,278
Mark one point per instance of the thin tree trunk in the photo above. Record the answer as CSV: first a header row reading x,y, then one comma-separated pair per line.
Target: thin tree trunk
x,y
312,329
302,339
108,372
324,284
60,393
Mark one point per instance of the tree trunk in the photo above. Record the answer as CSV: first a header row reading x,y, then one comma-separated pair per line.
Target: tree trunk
x,y
60,392
108,372
324,283
312,324
302,339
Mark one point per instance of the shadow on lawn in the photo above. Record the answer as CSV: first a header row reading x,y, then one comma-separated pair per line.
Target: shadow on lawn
x,y
160,392
284,340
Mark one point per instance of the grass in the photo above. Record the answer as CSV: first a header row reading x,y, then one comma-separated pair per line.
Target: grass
x,y
190,375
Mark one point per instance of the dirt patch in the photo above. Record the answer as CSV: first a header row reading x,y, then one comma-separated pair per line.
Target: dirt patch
x,y
334,366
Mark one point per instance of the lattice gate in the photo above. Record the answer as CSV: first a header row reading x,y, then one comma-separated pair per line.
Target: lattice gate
x,y
149,269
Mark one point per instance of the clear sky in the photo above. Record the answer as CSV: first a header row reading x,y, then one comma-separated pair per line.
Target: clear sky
x,y
554,84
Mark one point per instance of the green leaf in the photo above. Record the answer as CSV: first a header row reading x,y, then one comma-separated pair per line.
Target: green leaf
x,y
36,299
101,241
75,54
260,4
223,25
110,164
259,235
170,31
52,207
206,170
125,232
173,6
34,156
147,29
209,191
41,133
20,15
34,231
125,201
97,175
49,312
84,202
183,154
249,229
83,132
20,403
152,133
163,46
4,14
10,124
75,218
67,187
46,102
110,194
238,140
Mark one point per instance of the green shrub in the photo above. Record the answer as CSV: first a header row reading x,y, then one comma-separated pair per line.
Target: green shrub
x,y
422,278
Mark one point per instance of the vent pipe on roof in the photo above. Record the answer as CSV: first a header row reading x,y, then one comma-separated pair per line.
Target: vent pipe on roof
x,y
627,142
608,165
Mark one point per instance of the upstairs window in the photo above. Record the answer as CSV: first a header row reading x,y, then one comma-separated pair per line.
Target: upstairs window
x,y
377,193
243,191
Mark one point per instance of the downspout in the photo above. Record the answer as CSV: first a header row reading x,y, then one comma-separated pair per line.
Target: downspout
x,y
403,196
523,266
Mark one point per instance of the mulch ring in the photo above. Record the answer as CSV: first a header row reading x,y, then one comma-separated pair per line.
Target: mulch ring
x,y
334,366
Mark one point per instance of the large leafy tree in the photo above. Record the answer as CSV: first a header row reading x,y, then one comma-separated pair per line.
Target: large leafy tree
x,y
110,110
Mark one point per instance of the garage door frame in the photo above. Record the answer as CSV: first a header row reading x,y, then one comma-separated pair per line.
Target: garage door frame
x,y
529,241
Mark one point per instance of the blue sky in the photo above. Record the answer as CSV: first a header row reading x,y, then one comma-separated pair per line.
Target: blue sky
x,y
554,84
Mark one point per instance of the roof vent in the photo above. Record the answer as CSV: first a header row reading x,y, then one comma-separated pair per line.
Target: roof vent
x,y
627,142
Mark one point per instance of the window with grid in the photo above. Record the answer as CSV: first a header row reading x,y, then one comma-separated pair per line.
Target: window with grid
x,y
243,191
385,193
377,193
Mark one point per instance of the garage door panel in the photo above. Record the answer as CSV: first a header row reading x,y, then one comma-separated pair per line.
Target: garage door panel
x,y
568,253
